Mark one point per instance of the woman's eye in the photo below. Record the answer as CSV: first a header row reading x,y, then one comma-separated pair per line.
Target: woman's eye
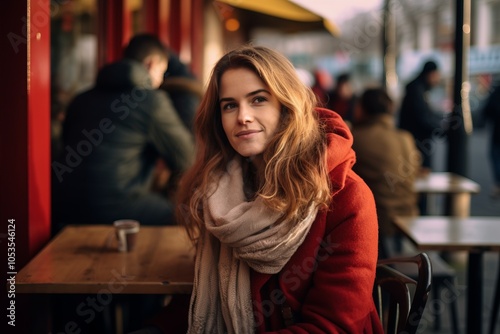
x,y
228,106
259,99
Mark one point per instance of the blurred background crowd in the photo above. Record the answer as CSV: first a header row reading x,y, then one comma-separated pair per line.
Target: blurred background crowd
x,y
348,49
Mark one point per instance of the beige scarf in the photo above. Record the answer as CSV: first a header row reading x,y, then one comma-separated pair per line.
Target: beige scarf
x,y
239,235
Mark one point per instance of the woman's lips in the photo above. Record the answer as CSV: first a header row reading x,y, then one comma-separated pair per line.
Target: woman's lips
x,y
246,133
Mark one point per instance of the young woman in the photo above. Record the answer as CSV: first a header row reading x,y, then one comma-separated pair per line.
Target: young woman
x,y
286,232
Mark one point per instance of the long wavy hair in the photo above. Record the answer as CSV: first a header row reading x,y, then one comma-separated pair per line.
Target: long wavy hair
x,y
295,175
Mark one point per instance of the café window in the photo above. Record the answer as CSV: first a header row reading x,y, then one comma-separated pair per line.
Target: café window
x,y
73,57
138,15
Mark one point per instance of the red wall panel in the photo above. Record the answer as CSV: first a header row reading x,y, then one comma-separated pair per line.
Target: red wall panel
x,y
25,146
39,125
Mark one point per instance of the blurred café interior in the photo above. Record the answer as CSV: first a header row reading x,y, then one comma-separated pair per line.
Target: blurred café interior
x,y
54,48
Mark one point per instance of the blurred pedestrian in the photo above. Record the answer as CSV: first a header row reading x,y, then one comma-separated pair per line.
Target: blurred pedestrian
x,y
416,114
342,99
491,112
388,161
322,86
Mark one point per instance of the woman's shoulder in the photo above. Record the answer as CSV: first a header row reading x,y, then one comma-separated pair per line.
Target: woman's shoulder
x,y
356,194
354,201
354,188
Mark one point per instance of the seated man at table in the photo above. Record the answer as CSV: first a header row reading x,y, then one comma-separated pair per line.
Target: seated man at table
x,y
387,160
114,134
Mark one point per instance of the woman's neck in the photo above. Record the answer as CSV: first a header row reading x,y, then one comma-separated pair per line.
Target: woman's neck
x,y
253,171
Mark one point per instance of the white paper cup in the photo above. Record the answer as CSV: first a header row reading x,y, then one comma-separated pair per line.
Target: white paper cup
x,y
126,234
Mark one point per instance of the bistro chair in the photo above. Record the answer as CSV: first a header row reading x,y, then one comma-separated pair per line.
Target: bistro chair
x,y
400,300
496,303
444,276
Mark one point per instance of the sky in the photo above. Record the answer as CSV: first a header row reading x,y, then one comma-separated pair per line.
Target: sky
x,y
338,10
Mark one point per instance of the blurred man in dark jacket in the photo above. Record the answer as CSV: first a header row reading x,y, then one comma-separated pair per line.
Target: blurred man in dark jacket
x,y
416,114
113,136
492,113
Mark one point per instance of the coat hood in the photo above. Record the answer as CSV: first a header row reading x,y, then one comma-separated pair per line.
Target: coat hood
x,y
124,74
340,155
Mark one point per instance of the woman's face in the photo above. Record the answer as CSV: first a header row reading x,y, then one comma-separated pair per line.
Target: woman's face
x,y
250,113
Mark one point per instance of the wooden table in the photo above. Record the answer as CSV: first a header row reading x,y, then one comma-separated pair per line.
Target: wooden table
x,y
84,259
473,234
458,187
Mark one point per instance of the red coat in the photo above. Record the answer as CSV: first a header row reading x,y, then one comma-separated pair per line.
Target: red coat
x,y
326,287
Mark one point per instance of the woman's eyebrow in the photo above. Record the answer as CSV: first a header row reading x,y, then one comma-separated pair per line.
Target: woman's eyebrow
x,y
247,95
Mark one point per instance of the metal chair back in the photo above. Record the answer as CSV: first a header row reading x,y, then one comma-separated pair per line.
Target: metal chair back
x,y
400,306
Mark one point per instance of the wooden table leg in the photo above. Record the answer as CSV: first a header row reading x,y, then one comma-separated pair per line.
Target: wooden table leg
x,y
475,293
460,206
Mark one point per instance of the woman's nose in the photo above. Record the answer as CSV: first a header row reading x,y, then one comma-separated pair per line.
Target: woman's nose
x,y
245,114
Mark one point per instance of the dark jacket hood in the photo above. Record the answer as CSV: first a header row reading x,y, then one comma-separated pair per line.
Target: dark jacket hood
x,y
123,74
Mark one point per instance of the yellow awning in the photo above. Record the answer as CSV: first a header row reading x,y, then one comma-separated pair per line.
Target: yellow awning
x,y
283,9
